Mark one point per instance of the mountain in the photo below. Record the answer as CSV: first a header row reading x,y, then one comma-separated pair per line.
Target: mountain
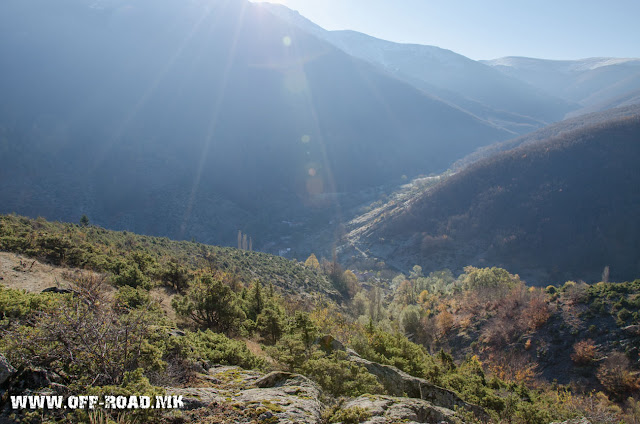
x,y
458,80
565,126
596,83
559,209
197,119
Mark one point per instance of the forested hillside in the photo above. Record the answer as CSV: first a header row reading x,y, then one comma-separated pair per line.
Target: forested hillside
x,y
559,209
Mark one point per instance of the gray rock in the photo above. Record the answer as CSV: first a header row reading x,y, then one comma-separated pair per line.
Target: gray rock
x,y
575,421
632,329
6,370
274,379
399,383
292,398
194,398
388,409
280,397
176,333
33,378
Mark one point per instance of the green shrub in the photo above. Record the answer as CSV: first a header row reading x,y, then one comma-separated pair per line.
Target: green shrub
x,y
18,304
217,348
211,303
352,415
339,376
623,316
131,275
128,297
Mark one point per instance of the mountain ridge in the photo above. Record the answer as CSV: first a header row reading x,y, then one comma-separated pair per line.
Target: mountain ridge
x,y
543,210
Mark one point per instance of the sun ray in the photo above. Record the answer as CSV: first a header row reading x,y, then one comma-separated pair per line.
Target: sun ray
x,y
151,88
209,137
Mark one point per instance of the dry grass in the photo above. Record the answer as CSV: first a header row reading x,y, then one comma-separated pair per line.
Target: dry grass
x,y
20,272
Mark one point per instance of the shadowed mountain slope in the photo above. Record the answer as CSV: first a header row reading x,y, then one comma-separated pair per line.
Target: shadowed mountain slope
x,y
559,209
199,118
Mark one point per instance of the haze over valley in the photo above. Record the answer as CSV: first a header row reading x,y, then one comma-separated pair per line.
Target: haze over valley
x,y
223,202
201,120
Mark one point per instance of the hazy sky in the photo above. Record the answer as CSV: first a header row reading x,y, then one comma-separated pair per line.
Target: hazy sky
x,y
487,29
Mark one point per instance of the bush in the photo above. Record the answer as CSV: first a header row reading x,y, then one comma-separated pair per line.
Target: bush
x,y
18,304
91,345
339,376
623,316
131,275
128,297
352,415
218,349
615,375
584,352
210,303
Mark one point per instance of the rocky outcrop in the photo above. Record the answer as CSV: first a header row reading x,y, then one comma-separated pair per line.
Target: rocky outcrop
x,y
575,421
399,383
291,398
388,409
248,396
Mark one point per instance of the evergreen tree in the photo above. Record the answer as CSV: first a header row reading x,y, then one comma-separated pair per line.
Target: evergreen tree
x,y
256,300
84,221
271,322
210,303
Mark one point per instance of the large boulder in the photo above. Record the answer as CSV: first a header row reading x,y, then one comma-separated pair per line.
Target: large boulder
x,y
245,396
382,409
399,383
291,398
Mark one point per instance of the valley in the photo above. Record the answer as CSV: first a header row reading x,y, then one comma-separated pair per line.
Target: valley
x,y
285,223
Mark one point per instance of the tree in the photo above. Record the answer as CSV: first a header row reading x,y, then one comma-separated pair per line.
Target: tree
x,y
410,320
351,282
271,322
210,303
308,330
375,304
498,279
176,275
584,352
312,262
416,272
616,376
256,300
84,221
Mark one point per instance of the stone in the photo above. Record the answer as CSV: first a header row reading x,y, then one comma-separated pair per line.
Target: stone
x,y
581,420
57,290
281,397
6,370
384,409
399,383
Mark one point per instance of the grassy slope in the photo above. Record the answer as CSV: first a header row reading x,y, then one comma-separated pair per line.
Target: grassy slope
x,y
103,250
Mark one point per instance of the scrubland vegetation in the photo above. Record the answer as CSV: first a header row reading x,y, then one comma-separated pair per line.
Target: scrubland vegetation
x,y
524,354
